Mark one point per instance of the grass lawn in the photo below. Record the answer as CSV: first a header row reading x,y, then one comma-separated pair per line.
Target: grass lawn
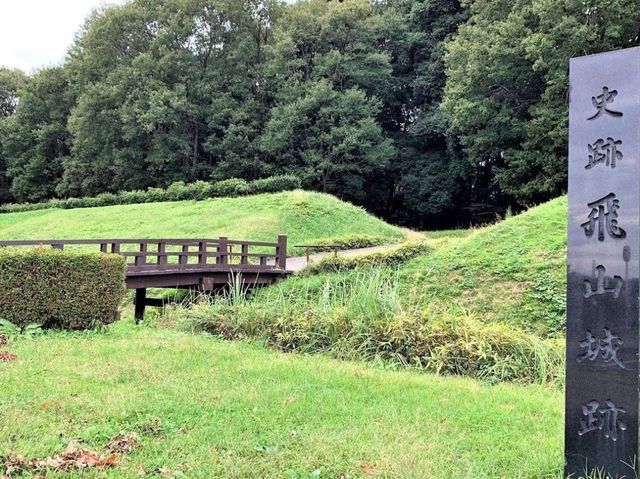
x,y
207,408
513,272
303,216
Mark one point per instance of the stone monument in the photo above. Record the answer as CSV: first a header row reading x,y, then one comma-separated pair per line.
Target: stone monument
x,y
601,427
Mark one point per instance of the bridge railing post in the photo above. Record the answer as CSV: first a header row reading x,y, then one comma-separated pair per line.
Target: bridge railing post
x,y
244,256
281,252
223,256
162,257
141,259
184,258
202,249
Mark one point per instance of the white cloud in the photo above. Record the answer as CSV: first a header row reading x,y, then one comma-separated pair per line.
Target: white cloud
x,y
37,33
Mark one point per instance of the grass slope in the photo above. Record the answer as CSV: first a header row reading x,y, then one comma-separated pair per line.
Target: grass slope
x,y
212,409
488,304
303,216
512,272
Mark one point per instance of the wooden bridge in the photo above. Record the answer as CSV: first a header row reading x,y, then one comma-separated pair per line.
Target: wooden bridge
x,y
204,264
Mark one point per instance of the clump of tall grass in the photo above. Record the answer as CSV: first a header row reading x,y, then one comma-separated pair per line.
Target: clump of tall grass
x,y
361,316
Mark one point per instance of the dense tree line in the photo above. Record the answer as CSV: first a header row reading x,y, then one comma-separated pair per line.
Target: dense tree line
x,y
428,112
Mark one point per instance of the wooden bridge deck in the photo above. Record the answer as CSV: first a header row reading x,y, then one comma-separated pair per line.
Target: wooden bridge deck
x,y
204,264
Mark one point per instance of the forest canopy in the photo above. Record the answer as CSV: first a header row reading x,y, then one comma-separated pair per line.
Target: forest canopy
x,y
429,113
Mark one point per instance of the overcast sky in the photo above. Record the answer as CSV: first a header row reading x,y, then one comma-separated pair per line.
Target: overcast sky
x,y
37,33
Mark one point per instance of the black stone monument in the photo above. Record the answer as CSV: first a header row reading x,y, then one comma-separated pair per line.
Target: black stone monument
x,y
601,427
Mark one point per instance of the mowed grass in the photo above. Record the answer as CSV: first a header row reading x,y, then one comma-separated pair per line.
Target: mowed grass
x,y
205,408
303,216
513,272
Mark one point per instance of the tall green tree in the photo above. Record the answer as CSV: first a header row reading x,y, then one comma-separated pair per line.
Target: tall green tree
x,y
507,84
429,181
325,73
341,42
329,138
35,138
168,90
11,82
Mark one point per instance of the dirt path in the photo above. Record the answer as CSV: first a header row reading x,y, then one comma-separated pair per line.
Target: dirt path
x,y
296,263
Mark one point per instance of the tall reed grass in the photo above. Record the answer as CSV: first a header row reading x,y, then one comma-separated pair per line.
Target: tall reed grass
x,y
361,316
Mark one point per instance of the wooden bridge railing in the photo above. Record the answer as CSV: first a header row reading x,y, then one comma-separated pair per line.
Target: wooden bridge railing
x,y
201,263
145,256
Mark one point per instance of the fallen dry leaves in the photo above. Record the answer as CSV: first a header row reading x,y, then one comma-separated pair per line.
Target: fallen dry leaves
x,y
6,356
122,443
152,428
72,458
366,468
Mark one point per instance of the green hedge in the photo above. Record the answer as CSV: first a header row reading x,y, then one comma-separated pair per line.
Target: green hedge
x,y
349,242
391,258
59,289
179,191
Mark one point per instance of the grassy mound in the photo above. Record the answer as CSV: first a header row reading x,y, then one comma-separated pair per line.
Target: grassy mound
x,y
203,408
303,216
513,272
487,304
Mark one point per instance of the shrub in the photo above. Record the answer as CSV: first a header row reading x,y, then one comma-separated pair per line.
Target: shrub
x,y
275,184
71,203
132,197
350,242
89,202
14,208
106,199
178,191
60,289
231,187
201,190
155,195
54,203
389,258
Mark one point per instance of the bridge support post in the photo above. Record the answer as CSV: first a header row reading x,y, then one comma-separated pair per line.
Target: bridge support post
x,y
281,252
140,303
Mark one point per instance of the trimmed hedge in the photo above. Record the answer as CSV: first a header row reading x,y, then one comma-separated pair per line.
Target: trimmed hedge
x,y
59,289
391,258
179,191
350,242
